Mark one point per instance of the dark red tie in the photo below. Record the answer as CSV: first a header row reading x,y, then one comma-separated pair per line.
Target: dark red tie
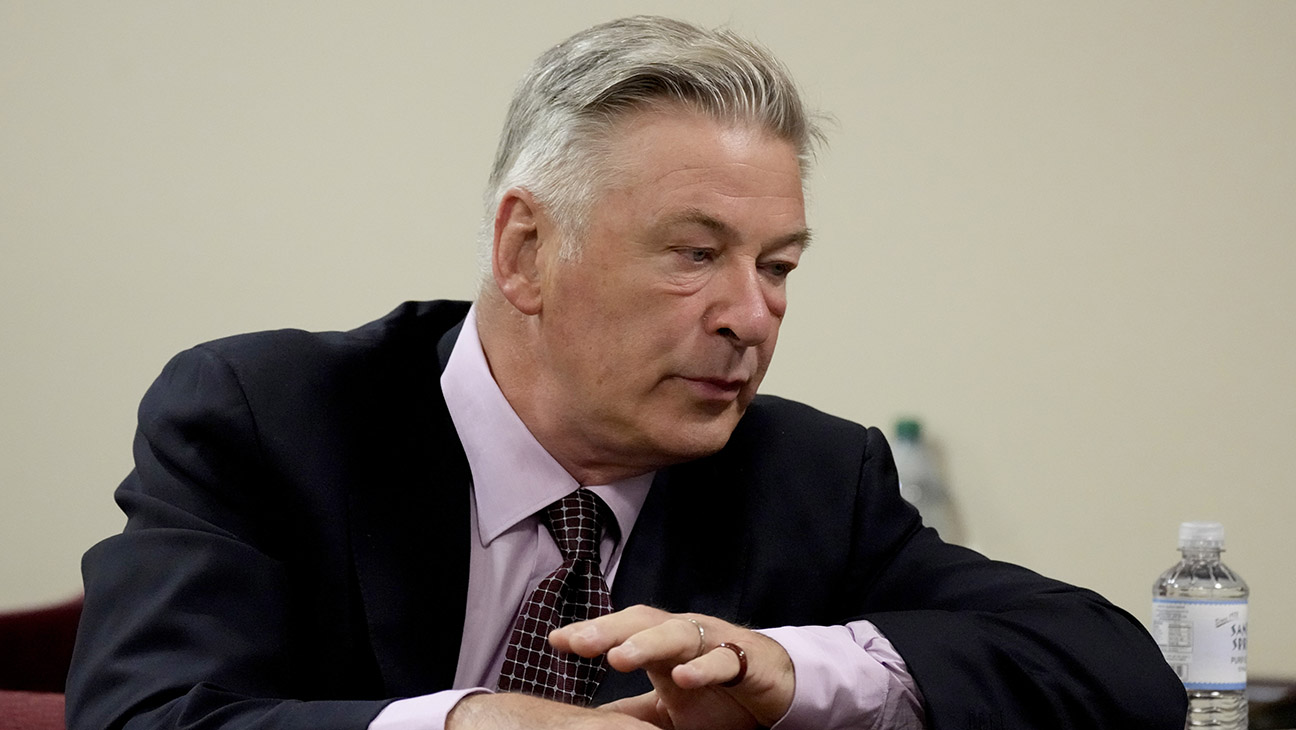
x,y
575,591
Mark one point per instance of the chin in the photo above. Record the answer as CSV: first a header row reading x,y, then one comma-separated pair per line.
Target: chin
x,y
688,441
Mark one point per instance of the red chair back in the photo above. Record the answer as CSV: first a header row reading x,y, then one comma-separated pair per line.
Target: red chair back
x,y
35,652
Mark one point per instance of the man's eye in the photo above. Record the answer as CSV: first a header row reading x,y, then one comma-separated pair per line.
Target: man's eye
x,y
698,255
779,269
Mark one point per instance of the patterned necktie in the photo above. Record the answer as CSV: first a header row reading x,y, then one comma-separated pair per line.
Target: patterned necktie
x,y
575,591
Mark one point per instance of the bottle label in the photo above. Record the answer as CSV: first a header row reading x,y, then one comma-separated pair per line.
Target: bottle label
x,y
1205,642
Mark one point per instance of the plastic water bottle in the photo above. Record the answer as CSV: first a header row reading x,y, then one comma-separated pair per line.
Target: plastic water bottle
x,y
1199,618
921,483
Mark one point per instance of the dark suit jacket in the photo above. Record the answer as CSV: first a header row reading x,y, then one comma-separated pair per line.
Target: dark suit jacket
x,y
296,554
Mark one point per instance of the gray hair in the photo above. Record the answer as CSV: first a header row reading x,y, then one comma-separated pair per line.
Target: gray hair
x,y
558,131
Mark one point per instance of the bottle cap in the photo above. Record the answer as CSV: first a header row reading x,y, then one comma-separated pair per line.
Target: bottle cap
x,y
1201,535
908,429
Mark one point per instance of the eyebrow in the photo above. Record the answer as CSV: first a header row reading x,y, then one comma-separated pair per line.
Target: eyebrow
x,y
724,230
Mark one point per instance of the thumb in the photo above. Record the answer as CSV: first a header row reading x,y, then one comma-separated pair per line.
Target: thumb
x,y
645,707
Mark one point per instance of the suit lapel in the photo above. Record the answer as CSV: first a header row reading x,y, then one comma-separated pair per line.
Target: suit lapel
x,y
409,519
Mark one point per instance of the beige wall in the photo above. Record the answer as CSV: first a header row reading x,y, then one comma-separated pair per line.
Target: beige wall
x,y
1062,234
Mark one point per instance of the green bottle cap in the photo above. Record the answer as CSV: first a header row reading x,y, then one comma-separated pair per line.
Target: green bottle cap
x,y
908,429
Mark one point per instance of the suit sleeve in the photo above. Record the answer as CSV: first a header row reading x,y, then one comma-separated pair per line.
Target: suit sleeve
x,y
186,620
993,645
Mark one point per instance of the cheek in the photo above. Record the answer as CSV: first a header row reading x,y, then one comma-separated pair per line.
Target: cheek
x,y
658,317
776,301
765,350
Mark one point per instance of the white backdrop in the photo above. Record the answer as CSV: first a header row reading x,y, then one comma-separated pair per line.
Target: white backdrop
x,y
1063,235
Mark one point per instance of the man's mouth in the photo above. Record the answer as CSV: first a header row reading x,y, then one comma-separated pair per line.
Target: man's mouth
x,y
726,389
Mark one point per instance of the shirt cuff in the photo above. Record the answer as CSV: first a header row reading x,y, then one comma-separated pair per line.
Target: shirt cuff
x,y
427,712
847,677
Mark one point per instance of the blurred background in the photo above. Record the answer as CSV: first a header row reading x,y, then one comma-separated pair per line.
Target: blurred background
x,y
1063,236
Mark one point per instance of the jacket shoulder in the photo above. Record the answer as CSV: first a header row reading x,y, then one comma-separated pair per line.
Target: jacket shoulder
x,y
777,438
774,420
411,322
311,374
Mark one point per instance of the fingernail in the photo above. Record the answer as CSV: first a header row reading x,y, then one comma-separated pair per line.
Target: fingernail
x,y
629,651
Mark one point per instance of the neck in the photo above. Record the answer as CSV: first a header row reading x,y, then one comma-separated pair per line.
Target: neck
x,y
511,343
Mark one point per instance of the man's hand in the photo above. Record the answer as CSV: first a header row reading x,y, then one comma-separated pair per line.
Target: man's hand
x,y
514,711
687,668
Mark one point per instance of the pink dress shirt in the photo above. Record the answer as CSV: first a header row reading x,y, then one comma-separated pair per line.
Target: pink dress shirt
x,y
847,676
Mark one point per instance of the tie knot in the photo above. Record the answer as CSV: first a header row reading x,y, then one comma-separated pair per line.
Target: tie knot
x,y
574,522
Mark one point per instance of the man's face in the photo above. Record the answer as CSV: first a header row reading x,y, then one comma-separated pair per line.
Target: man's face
x,y
660,331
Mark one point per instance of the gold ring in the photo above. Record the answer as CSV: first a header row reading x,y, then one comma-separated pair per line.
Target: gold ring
x,y
701,637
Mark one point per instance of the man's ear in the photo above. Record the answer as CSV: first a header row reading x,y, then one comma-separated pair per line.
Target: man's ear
x,y
516,250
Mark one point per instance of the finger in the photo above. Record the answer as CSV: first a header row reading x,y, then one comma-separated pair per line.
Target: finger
x,y
640,707
597,636
706,708
716,667
673,641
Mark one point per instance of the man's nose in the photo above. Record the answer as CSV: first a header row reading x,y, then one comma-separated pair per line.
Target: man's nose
x,y
743,310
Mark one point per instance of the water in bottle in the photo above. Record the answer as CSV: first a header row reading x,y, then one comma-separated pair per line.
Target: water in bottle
x,y
1199,619
921,483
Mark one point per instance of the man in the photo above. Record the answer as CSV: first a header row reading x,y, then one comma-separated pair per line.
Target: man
x,y
383,528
